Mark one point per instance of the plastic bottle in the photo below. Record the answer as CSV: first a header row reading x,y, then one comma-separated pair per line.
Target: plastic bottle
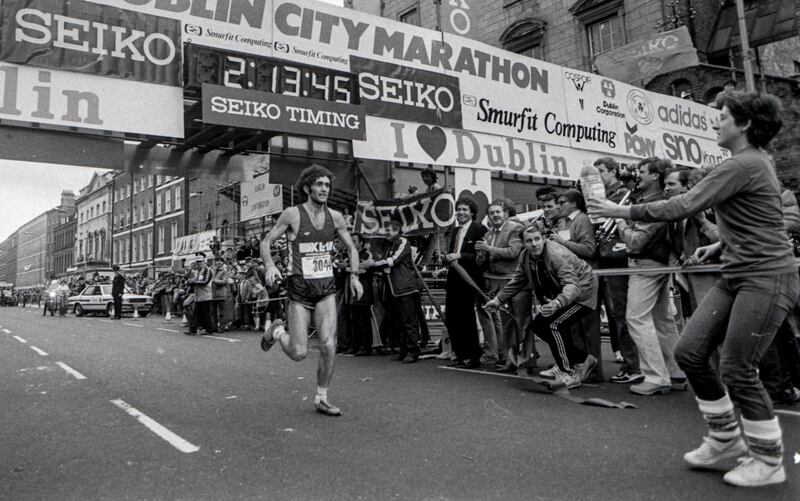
x,y
592,187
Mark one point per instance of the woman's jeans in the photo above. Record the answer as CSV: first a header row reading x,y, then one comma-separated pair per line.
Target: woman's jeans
x,y
741,316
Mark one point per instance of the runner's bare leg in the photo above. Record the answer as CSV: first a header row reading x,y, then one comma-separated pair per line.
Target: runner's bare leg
x,y
295,343
325,320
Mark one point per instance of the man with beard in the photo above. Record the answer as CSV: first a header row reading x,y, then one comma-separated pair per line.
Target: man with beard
x,y
310,229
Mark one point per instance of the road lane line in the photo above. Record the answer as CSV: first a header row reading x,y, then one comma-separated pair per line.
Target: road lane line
x,y
7,331
171,438
20,339
133,325
473,371
70,370
223,338
167,330
107,321
39,351
788,413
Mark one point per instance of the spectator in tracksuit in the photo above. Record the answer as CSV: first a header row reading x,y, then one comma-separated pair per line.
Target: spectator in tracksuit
x,y
564,290
402,287
200,279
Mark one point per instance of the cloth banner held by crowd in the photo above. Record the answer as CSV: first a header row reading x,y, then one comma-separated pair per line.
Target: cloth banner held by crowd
x,y
422,214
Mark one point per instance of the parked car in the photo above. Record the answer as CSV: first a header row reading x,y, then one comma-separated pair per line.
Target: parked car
x,y
97,299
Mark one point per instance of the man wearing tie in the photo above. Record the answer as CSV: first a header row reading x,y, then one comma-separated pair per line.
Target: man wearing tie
x,y
461,298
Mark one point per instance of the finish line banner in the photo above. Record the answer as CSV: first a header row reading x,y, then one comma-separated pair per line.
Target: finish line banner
x,y
424,214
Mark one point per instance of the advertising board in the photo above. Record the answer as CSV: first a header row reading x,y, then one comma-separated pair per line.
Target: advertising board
x,y
77,100
259,199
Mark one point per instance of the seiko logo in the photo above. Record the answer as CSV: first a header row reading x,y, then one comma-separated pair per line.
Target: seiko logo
x,y
407,92
81,35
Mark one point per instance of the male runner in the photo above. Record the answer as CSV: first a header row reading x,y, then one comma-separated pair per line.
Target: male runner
x,y
310,229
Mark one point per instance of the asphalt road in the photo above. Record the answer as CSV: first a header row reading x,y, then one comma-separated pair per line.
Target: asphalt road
x,y
161,415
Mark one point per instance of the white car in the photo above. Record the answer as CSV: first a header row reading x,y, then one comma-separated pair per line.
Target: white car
x,y
98,299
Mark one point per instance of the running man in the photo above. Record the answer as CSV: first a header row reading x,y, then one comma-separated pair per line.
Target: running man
x,y
310,229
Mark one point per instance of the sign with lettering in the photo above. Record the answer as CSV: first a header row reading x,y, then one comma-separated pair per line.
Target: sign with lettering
x,y
86,37
395,91
58,99
296,115
458,17
423,214
259,199
413,142
199,242
646,58
242,25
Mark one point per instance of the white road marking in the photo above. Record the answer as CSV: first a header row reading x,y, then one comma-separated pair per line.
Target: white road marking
x,y
20,339
788,413
133,325
224,339
107,321
167,330
173,439
7,331
485,373
70,370
40,352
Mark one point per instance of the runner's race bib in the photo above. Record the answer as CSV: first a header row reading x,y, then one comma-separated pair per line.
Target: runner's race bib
x,y
317,266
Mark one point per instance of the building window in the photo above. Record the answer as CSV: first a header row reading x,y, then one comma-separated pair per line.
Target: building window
x,y
158,204
160,239
411,16
167,200
104,206
525,37
173,235
158,180
177,197
605,35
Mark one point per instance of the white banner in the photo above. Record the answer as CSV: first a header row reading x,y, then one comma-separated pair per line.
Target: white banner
x,y
241,25
412,142
188,245
89,102
260,198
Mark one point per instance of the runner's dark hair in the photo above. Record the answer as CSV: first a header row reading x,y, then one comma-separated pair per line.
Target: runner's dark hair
x,y
309,176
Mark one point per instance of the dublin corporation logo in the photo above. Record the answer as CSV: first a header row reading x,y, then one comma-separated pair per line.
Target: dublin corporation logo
x,y
640,106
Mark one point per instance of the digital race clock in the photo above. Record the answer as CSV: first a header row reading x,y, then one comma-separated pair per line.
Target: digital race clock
x,y
205,65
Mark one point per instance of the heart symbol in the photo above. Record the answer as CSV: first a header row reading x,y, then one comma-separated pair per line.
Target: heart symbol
x,y
432,140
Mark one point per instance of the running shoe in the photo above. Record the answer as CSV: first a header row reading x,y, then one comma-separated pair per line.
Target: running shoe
x,y
323,407
753,472
625,377
550,373
712,452
267,340
569,380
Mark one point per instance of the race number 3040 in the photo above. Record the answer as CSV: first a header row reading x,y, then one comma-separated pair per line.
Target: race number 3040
x,y
317,267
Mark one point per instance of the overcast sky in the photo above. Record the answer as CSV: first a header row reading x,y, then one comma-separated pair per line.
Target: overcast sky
x,y
28,189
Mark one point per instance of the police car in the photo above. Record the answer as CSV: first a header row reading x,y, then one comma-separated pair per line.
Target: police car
x,y
98,299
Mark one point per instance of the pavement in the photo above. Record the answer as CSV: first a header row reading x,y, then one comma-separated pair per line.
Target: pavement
x,y
93,408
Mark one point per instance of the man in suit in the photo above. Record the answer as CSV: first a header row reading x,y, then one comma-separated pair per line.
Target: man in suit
x,y
462,324
117,289
500,249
